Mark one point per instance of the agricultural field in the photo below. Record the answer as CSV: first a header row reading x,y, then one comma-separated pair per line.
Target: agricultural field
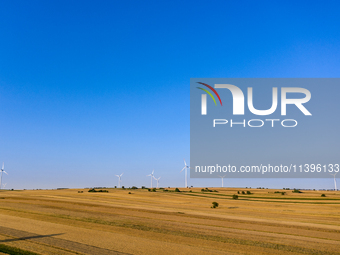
x,y
126,221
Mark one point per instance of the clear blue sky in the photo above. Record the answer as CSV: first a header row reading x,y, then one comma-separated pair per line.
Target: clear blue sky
x,y
90,89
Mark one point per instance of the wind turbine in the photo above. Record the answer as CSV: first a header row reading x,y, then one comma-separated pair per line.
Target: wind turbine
x,y
334,181
186,174
151,177
157,180
222,178
119,179
4,185
2,171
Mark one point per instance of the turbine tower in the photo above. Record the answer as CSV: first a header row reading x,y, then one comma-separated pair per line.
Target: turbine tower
x,y
151,177
334,181
157,179
2,171
119,179
186,174
222,178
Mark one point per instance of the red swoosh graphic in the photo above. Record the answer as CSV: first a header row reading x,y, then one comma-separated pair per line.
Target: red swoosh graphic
x,y
212,90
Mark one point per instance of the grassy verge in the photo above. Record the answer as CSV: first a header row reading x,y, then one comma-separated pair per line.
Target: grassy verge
x,y
15,251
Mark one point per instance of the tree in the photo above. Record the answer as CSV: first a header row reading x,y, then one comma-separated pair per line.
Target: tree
x,y
214,205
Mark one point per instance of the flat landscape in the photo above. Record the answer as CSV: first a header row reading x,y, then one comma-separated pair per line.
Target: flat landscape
x,y
75,221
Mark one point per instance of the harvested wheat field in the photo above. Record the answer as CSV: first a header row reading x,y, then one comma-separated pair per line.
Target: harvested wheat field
x,y
168,222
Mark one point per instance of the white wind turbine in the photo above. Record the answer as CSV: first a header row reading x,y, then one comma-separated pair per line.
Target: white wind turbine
x,y
334,181
151,176
4,185
2,171
157,179
186,174
119,179
222,178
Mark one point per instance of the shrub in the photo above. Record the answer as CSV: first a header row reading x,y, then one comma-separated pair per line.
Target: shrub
x,y
238,192
323,195
134,187
143,187
149,190
243,193
235,196
283,193
123,187
165,190
129,192
214,205
190,191
248,192
115,187
177,190
101,190
297,191
215,190
154,190
202,190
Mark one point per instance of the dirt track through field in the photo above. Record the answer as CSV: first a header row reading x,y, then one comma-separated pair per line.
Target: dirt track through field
x,y
50,240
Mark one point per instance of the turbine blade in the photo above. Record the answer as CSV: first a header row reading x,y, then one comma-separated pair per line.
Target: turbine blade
x,y
5,172
185,163
3,165
153,171
121,174
182,169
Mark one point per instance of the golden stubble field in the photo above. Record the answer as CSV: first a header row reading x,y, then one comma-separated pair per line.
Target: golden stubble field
x,y
143,222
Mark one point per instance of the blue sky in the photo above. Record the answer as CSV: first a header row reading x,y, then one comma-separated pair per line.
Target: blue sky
x,y
90,89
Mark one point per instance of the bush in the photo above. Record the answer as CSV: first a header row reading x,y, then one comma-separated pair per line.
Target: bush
x,y
143,187
235,196
165,190
283,193
190,191
123,187
177,190
243,193
115,187
248,192
214,205
202,190
101,190
134,187
129,192
323,195
297,191
238,192
149,190
154,190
